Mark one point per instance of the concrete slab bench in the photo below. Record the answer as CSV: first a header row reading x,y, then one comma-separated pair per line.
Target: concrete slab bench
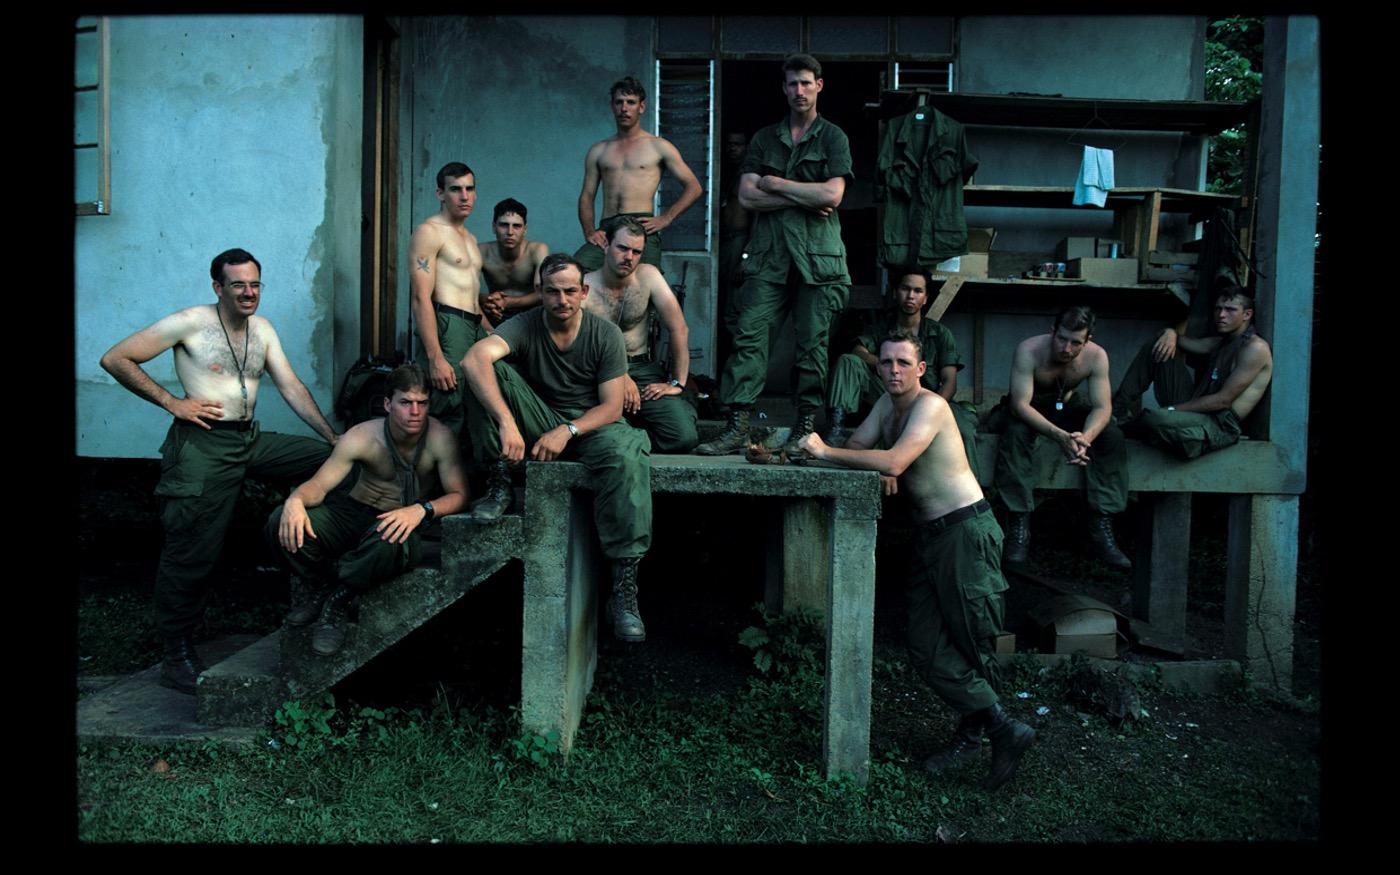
x,y
822,552
1262,543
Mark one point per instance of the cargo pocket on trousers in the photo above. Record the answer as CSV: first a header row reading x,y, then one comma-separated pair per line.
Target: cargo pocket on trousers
x,y
181,475
828,267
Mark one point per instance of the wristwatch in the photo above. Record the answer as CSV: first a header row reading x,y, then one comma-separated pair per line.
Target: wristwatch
x,y
428,509
573,429
676,383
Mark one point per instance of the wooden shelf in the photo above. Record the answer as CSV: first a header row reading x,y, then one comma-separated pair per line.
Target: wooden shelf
x,y
1174,200
1169,297
1200,117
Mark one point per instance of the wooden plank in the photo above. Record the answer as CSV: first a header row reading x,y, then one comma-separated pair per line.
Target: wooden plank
x,y
1055,111
945,296
1174,200
1149,218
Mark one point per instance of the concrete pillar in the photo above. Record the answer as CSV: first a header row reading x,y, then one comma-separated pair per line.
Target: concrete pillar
x,y
559,640
850,637
806,553
1160,567
1261,579
1290,125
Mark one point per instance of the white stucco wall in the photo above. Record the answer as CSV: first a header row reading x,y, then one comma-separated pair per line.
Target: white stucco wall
x,y
222,135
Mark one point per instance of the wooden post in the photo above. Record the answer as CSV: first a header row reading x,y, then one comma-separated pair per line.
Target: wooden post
x,y
850,637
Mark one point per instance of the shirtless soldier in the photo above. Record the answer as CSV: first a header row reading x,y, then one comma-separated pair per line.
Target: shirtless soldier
x,y
511,264
445,279
1043,402
629,294
340,545
629,164
221,354
1198,415
955,582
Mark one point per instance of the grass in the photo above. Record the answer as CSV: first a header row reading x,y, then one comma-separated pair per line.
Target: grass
x,y
652,763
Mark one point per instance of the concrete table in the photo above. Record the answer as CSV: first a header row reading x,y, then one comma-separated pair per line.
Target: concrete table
x,y
821,554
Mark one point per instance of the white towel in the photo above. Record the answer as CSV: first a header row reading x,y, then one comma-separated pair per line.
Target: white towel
x,y
1095,177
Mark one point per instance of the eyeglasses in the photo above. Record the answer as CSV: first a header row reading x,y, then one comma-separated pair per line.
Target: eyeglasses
x,y
240,286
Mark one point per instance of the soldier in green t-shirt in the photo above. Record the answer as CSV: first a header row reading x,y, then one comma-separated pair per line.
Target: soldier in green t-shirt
x,y
550,383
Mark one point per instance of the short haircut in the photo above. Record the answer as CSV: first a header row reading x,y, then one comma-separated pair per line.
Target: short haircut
x,y
557,261
628,85
1077,318
904,335
802,61
230,256
623,223
454,169
406,378
1239,293
900,273
510,205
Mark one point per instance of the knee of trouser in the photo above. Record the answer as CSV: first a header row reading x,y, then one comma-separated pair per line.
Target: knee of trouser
x,y
1110,440
1016,433
270,528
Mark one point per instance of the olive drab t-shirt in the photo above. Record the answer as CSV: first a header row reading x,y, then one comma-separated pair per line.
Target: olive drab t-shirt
x,y
795,236
565,380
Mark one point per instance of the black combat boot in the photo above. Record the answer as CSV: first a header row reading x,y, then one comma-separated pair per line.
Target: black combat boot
x,y
622,607
329,632
965,745
806,424
838,435
306,596
734,438
1018,538
1010,738
182,666
498,493
1101,536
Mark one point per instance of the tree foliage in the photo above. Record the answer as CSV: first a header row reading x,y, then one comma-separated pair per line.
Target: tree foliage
x,y
1234,61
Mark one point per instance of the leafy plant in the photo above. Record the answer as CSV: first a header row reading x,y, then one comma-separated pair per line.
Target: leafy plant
x,y
306,724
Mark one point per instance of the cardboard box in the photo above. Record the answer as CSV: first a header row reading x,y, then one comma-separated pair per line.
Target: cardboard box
x,y
1104,271
1071,623
1087,247
1006,642
973,264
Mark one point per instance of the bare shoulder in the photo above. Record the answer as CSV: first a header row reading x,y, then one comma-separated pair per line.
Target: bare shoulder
x,y
428,230
1095,356
361,440
441,441
1257,349
538,251
488,251
1031,348
652,278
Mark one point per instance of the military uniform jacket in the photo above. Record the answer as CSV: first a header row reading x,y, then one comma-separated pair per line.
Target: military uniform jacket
x,y
795,236
920,173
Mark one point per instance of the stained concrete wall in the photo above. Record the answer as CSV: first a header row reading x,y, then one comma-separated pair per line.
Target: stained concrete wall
x,y
1137,57
519,100
226,131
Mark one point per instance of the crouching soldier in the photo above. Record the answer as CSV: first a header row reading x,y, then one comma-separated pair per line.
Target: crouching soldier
x,y
341,545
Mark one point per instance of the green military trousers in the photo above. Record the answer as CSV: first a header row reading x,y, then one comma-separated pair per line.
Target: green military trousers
x,y
1185,433
456,334
1105,478
617,457
956,606
854,386
762,307
591,256
346,549
670,421
201,476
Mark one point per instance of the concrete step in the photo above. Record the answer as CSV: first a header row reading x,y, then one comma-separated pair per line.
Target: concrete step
x,y
248,687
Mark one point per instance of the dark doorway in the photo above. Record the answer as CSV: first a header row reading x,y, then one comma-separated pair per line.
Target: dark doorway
x,y
380,186
751,99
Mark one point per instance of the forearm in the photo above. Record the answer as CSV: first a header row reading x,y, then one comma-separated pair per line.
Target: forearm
x,y
1212,403
585,214
1032,417
137,381
1096,422
307,495
865,460
449,503
596,417
303,405
516,300
763,202
812,195
425,320
481,376
680,355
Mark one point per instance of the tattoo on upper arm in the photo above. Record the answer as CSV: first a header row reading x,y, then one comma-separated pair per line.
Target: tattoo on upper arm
x,y
423,264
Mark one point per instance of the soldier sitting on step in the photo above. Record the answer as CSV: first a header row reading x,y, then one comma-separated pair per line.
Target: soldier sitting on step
x,y
342,544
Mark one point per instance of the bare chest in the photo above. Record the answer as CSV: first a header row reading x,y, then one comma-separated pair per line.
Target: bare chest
x,y
459,251
501,273
1059,379
626,309
630,157
213,352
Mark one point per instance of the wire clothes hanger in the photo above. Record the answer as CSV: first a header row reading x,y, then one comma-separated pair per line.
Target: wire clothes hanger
x,y
1096,118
